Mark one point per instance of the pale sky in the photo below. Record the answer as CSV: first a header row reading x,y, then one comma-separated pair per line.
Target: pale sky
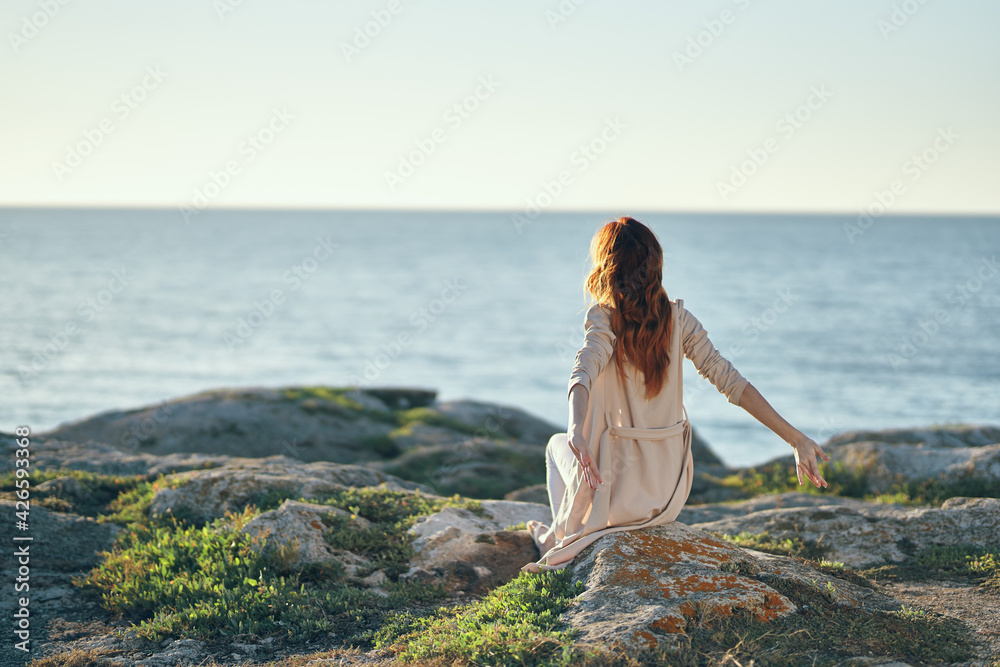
x,y
148,103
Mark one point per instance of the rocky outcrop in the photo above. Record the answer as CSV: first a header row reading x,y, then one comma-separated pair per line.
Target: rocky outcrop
x,y
645,586
933,437
861,534
492,420
470,552
203,495
307,423
536,493
963,456
885,464
105,459
696,514
253,422
473,468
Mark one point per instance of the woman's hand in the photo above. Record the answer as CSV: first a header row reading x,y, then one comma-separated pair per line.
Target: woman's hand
x,y
578,445
806,451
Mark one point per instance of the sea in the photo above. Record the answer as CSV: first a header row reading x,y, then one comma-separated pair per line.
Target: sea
x,y
841,322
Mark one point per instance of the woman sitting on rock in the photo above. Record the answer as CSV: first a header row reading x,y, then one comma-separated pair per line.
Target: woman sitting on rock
x,y
625,462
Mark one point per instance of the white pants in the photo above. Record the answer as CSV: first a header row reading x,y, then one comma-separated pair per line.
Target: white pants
x,y
559,466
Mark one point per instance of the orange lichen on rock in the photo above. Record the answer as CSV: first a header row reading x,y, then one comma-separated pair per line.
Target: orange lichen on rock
x,y
666,549
644,639
654,583
658,581
671,624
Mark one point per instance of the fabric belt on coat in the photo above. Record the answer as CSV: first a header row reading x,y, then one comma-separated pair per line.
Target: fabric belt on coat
x,y
660,433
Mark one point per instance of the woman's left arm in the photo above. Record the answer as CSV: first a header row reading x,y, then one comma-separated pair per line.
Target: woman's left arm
x,y
806,450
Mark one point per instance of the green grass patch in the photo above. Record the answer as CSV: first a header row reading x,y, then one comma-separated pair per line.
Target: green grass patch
x,y
432,417
172,577
84,493
383,445
977,564
176,580
387,541
778,477
823,633
476,469
790,546
329,394
515,624
935,492
796,547
335,400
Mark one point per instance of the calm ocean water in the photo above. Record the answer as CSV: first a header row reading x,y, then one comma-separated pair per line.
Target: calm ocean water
x,y
897,326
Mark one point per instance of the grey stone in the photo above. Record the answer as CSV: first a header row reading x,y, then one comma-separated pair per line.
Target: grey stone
x,y
299,528
644,587
470,552
208,494
869,534
61,540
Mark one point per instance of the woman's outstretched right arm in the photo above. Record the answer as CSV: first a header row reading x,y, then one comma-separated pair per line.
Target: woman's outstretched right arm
x,y
720,372
805,449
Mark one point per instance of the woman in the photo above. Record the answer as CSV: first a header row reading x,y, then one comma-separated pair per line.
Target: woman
x,y
625,462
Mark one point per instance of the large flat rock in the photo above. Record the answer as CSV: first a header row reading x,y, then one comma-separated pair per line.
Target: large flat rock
x,y
255,422
643,587
208,494
869,534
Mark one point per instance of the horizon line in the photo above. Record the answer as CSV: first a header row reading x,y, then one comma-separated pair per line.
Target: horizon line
x,y
427,209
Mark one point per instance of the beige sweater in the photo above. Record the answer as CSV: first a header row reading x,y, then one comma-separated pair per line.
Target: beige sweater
x,y
641,447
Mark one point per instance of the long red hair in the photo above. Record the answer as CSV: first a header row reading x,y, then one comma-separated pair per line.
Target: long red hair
x,y
627,275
